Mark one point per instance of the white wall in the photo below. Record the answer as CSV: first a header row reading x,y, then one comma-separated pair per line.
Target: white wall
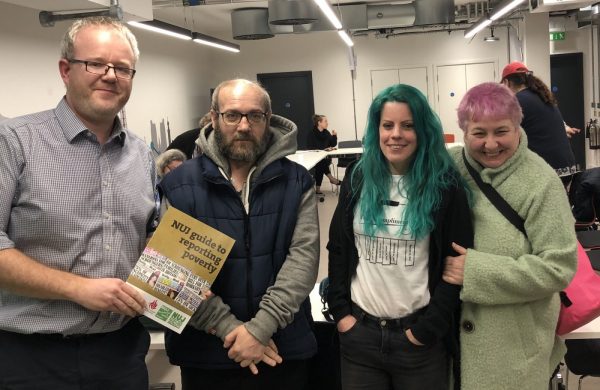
x,y
172,81
326,56
174,77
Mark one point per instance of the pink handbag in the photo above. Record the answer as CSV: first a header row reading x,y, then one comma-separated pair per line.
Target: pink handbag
x,y
581,298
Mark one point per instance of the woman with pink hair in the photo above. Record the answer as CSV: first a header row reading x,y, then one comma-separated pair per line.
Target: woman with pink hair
x,y
512,276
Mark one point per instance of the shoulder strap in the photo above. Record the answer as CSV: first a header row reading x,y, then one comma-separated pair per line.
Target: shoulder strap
x,y
496,199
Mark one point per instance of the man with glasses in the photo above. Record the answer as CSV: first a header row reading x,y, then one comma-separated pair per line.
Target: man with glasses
x,y
244,186
76,206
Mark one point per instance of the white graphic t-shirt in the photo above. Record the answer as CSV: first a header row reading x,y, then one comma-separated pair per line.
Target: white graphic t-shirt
x,y
392,275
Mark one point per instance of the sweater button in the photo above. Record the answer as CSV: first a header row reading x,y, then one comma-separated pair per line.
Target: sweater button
x,y
468,326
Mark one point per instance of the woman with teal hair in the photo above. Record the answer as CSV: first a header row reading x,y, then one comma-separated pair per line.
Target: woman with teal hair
x,y
400,209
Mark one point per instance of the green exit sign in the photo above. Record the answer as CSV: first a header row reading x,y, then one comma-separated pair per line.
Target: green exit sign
x,y
558,36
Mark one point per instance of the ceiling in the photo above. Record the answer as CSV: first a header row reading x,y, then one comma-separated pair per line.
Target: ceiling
x,y
214,16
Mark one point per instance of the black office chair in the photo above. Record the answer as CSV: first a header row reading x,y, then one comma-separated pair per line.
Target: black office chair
x,y
344,161
583,358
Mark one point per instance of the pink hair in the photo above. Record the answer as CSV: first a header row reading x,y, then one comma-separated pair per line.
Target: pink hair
x,y
489,101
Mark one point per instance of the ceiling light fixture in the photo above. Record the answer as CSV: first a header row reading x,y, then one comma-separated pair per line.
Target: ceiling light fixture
x,y
164,28
504,8
499,11
346,38
477,26
215,42
328,11
334,20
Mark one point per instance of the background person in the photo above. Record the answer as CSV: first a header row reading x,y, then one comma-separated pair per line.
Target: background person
x,y
321,139
401,207
76,207
186,141
547,133
244,186
169,160
510,282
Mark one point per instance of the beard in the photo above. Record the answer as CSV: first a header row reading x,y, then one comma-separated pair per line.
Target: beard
x,y
248,151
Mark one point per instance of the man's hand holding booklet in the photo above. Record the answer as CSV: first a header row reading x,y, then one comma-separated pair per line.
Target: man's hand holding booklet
x,y
178,266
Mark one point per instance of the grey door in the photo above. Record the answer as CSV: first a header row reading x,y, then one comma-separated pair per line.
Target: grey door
x,y
292,97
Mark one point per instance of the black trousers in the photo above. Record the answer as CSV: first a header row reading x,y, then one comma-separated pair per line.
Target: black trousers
x,y
114,360
322,168
289,375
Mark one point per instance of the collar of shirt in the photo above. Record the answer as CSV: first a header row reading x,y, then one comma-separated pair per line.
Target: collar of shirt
x,y
72,125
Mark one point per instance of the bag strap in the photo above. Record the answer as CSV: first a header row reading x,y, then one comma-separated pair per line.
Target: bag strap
x,y
496,199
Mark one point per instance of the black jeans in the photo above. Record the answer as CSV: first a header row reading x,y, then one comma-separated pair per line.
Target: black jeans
x,y
112,360
289,375
322,168
377,355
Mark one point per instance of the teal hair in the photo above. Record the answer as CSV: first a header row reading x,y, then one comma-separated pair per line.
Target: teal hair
x,y
430,171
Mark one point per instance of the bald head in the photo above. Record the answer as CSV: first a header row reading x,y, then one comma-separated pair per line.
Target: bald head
x,y
240,87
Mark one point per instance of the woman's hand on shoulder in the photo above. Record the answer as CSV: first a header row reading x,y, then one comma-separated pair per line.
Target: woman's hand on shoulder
x,y
346,323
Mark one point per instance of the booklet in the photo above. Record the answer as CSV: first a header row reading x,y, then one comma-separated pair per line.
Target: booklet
x,y
178,266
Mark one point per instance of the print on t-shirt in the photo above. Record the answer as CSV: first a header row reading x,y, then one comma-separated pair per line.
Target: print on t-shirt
x,y
387,250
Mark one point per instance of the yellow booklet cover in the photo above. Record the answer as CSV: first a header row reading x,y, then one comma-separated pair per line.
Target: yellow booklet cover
x,y
178,265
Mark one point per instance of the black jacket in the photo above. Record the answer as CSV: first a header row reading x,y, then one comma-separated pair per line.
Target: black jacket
x,y
440,319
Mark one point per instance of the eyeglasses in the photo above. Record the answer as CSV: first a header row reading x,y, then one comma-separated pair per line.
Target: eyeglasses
x,y
102,69
234,117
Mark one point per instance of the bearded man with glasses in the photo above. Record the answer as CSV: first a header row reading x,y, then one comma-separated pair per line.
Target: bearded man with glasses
x,y
76,207
255,332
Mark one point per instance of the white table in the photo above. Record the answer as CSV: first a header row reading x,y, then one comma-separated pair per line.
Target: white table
x,y
588,331
344,151
308,158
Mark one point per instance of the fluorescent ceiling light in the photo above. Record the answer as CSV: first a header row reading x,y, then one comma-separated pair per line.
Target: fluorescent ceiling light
x,y
345,37
504,8
478,26
215,42
328,11
163,28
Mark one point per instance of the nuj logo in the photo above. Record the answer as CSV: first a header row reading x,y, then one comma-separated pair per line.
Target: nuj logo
x,y
153,305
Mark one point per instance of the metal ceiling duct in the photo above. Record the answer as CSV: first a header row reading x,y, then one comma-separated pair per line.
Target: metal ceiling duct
x,y
292,12
251,24
434,12
389,16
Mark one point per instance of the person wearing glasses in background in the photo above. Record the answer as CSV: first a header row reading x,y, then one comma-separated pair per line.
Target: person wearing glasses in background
x,y
244,186
76,207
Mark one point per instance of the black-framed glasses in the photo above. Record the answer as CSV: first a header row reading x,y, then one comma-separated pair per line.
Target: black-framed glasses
x,y
102,69
234,117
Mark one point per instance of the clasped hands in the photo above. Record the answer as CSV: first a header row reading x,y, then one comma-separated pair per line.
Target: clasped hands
x,y
246,350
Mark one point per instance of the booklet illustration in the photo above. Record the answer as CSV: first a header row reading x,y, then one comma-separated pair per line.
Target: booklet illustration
x,y
178,265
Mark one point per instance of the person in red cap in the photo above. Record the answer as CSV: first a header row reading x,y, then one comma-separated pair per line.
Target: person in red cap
x,y
542,121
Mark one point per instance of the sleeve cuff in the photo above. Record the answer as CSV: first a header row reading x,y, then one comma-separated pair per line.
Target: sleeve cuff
x,y
262,326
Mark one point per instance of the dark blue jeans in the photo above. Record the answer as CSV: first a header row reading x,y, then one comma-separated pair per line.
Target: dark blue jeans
x,y
377,355
112,360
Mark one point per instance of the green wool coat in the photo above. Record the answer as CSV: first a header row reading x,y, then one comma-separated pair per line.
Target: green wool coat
x,y
511,283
